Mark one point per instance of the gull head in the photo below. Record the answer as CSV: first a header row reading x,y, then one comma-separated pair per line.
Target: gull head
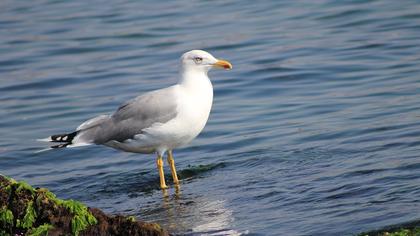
x,y
202,61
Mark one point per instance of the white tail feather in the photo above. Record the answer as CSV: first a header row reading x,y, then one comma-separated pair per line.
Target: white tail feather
x,y
45,139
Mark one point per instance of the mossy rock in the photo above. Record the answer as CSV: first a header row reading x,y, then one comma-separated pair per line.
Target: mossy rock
x,y
406,229
36,212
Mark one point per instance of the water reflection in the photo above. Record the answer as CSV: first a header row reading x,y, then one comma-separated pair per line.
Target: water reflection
x,y
196,215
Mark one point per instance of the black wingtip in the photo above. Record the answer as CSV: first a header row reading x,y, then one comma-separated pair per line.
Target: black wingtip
x,y
60,145
64,138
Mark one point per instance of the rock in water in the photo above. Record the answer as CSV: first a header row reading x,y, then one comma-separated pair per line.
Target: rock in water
x,y
28,211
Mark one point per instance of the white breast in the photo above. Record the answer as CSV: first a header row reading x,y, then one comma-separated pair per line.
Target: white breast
x,y
194,101
194,109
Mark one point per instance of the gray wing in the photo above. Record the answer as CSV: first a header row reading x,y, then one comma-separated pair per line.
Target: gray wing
x,y
132,117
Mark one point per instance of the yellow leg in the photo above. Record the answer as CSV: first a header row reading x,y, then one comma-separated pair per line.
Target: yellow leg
x,y
171,163
159,163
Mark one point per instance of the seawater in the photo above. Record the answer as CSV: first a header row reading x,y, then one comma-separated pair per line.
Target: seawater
x,y
314,132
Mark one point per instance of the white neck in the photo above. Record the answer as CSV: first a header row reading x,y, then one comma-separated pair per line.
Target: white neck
x,y
194,79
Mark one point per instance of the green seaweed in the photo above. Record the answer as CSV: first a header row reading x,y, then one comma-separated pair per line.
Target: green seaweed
x,y
6,216
43,192
8,189
192,171
29,218
405,232
41,230
50,195
8,186
82,217
38,198
395,232
4,184
21,185
131,218
3,233
8,178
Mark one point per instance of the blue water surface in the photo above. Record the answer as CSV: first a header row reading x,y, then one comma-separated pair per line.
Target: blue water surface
x,y
316,131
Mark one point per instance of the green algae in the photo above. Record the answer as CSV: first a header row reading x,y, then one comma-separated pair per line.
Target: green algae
x,y
29,218
6,216
395,231
8,178
37,211
82,217
18,186
131,218
21,185
3,233
192,171
404,232
8,189
41,230
43,192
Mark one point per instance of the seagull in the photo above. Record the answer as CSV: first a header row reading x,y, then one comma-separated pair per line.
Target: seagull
x,y
158,121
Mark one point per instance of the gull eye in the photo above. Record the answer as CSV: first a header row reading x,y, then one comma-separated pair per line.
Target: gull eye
x,y
198,60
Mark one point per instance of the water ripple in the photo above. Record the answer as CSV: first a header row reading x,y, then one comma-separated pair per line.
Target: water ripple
x,y
314,132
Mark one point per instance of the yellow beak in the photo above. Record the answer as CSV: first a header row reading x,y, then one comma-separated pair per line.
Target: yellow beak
x,y
223,64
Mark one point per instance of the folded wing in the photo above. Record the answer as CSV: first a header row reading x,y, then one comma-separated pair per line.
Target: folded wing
x,y
131,118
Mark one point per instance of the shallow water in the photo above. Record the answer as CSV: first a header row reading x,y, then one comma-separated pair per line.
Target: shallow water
x,y
315,131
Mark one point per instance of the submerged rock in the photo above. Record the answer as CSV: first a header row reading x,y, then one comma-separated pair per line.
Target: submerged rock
x,y
28,211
